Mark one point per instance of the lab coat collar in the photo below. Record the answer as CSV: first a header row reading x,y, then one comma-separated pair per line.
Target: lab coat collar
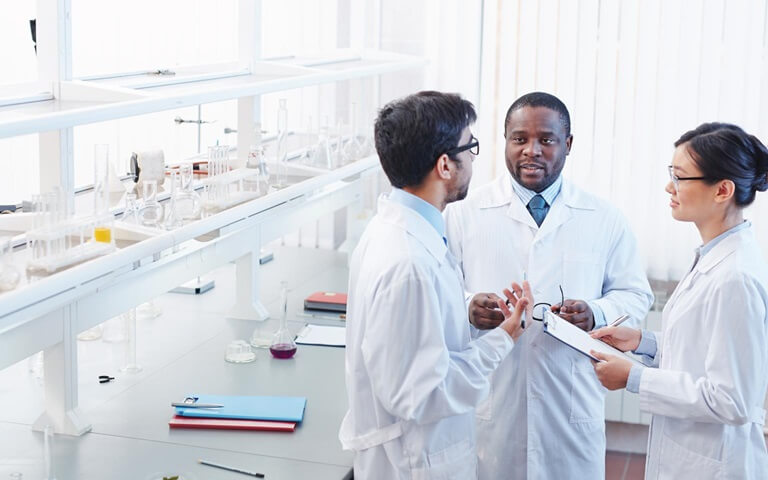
x,y
501,193
413,223
722,250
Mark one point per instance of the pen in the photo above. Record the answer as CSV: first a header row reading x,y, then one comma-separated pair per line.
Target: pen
x,y
196,405
619,320
231,469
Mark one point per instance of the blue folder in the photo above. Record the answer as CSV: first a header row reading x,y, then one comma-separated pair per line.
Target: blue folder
x,y
283,409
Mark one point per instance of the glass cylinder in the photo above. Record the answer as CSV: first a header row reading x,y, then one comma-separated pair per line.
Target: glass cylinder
x,y
102,232
281,147
48,453
187,199
151,213
283,345
172,217
130,366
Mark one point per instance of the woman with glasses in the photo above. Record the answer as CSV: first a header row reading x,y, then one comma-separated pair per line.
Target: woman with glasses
x,y
708,387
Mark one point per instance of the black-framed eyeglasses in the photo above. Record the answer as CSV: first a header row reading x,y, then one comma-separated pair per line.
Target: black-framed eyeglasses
x,y
676,180
549,305
473,146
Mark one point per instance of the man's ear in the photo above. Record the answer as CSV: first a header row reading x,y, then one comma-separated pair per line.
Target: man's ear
x,y
443,167
568,144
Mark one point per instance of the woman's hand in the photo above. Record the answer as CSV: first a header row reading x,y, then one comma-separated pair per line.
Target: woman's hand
x,y
623,338
612,371
521,300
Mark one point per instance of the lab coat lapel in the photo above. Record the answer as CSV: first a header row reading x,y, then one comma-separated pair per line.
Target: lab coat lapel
x,y
718,253
501,194
562,209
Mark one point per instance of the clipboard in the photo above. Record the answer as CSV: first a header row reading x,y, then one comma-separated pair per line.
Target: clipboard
x,y
230,424
578,339
322,335
281,409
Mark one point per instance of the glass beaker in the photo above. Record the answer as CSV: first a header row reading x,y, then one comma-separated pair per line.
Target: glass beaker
x,y
281,147
258,162
151,213
187,199
131,212
283,345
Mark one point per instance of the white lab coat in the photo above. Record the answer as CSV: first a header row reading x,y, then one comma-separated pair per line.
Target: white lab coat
x,y
544,417
707,395
413,374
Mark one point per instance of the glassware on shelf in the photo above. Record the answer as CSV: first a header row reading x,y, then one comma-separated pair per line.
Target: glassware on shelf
x,y
172,218
102,232
9,274
353,148
281,146
148,310
239,351
131,212
323,155
257,161
283,345
188,202
151,212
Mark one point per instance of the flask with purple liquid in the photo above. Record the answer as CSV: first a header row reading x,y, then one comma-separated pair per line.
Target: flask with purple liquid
x,y
283,345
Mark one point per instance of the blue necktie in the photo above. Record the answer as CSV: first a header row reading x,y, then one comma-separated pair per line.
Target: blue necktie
x,y
538,209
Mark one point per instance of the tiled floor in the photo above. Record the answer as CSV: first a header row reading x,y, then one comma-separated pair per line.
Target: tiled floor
x,y
624,466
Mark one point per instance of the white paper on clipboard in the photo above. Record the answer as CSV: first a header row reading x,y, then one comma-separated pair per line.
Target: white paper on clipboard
x,y
578,339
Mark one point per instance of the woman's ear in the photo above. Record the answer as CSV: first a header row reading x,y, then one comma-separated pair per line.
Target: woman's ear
x,y
725,191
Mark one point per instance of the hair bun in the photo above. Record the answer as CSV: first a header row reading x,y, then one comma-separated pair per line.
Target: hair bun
x,y
761,164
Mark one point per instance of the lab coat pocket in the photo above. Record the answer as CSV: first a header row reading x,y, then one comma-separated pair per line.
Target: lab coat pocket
x,y
582,277
458,461
679,463
587,403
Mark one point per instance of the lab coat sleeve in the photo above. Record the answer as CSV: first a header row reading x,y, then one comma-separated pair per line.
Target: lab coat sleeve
x,y
412,371
735,315
625,285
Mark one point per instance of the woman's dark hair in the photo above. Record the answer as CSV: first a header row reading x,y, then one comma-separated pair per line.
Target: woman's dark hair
x,y
411,133
723,151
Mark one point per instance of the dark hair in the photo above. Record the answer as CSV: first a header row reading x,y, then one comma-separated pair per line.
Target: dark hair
x,y
412,132
541,99
726,152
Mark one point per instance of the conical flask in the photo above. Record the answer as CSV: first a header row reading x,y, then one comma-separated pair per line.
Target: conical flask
x,y
283,345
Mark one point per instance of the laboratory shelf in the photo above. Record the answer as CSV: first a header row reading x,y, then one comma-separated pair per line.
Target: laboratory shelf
x,y
101,99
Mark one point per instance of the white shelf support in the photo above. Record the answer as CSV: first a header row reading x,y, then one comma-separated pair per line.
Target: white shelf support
x,y
247,303
249,48
54,65
60,372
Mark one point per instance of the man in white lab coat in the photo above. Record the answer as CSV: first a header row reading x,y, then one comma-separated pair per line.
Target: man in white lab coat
x,y
544,417
413,374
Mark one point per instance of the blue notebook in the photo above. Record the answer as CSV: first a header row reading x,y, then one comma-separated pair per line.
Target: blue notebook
x,y
283,409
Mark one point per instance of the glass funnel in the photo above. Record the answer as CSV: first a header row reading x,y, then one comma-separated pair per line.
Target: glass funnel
x,y
283,345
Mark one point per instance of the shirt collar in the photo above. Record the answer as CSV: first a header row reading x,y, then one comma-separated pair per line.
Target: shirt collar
x,y
422,207
549,193
707,247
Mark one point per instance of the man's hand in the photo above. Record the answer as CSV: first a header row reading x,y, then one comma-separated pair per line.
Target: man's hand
x,y
576,312
484,312
613,372
623,338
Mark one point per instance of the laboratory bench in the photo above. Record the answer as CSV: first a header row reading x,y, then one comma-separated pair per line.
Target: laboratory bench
x,y
181,352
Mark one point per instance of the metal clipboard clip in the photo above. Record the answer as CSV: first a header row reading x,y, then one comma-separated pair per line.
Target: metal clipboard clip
x,y
191,402
548,318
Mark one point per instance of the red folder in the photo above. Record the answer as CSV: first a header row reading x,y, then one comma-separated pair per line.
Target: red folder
x,y
230,424
335,302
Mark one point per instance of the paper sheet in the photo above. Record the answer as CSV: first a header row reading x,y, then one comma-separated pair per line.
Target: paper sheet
x,y
577,338
322,335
